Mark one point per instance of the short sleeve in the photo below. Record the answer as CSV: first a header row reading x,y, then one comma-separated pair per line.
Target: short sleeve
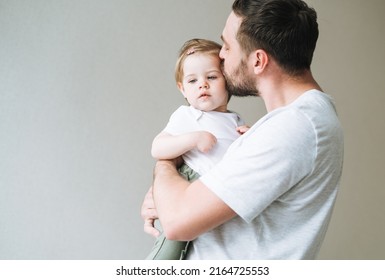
x,y
268,160
180,121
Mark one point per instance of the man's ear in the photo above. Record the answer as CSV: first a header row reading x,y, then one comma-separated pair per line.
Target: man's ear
x,y
181,88
260,60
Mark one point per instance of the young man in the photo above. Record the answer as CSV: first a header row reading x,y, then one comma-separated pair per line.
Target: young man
x,y
272,195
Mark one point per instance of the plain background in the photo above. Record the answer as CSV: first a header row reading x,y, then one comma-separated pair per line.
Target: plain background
x,y
86,85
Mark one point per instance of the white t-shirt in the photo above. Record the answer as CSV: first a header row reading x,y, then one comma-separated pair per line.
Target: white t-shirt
x,y
281,178
221,125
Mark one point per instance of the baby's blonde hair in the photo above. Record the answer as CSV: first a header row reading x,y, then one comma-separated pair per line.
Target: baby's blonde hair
x,y
194,46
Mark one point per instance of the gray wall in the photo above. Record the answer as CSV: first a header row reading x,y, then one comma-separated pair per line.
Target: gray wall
x,y
86,85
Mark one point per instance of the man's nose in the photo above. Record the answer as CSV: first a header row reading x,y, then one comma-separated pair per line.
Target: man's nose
x,y
221,53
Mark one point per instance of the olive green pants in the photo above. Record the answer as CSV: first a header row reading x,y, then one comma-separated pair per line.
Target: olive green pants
x,y
165,249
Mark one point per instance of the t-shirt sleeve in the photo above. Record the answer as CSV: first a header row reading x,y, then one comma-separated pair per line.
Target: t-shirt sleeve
x,y
264,163
176,121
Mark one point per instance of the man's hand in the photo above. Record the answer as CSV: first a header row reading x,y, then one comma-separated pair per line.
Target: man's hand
x,y
149,214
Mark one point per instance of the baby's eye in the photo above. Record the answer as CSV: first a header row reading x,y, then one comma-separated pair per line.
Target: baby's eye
x,y
192,81
212,77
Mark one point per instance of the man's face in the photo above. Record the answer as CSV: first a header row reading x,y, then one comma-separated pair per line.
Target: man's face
x,y
240,80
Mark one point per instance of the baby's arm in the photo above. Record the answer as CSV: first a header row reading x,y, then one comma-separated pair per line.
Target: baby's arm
x,y
167,146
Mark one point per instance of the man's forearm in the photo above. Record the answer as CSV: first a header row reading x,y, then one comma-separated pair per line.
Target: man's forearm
x,y
186,211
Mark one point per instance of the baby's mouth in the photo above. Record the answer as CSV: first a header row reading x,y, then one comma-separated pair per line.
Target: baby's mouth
x,y
204,95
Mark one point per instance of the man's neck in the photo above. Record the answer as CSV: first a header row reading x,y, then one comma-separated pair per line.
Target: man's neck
x,y
280,90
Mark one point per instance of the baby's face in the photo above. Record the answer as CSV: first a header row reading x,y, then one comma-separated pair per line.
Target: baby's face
x,y
203,84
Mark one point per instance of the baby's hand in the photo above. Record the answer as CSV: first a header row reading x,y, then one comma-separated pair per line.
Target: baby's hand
x,y
205,141
242,129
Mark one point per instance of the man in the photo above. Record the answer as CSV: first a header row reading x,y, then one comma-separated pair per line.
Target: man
x,y
272,195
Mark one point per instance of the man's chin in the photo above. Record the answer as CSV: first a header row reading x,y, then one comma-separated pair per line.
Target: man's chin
x,y
241,92
240,89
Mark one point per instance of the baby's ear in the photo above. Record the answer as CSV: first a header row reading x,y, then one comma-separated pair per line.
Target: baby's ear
x,y
180,87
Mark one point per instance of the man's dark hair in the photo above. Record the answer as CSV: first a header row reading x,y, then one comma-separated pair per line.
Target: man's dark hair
x,y
286,29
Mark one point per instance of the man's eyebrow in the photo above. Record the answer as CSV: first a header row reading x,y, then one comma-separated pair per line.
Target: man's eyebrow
x,y
224,41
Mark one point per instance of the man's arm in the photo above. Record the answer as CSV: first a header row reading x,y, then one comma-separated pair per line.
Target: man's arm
x,y
186,210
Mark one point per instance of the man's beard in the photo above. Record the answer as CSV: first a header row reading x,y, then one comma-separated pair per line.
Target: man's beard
x,y
246,85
